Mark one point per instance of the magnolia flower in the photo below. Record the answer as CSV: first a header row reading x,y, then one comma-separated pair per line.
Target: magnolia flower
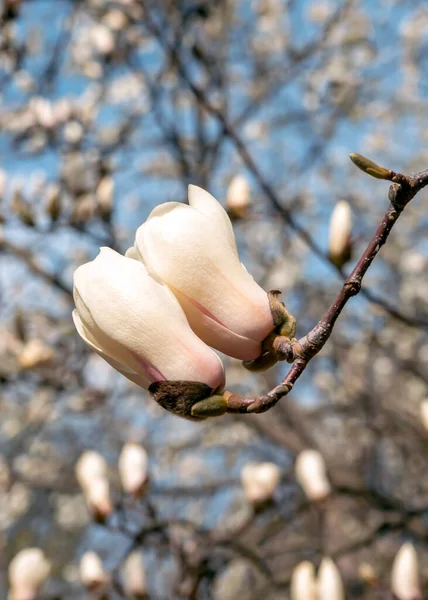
x,y
260,481
134,576
89,467
311,474
91,571
28,571
330,586
340,233
91,473
303,584
405,581
193,249
136,324
133,466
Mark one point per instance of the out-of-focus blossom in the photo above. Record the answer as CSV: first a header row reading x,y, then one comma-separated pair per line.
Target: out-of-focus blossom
x,y
340,233
311,474
238,197
193,249
260,481
91,473
405,582
329,584
303,582
136,324
28,571
35,353
134,576
424,413
92,573
133,468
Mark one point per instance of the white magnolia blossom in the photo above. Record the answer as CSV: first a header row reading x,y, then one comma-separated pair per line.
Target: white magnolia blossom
x,y
133,468
330,585
340,229
134,576
405,582
91,571
260,481
28,571
192,248
303,582
136,324
311,474
98,498
238,197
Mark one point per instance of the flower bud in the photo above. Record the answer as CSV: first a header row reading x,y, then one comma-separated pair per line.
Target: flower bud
x,y
370,167
329,585
104,195
90,466
28,571
238,197
134,577
303,583
133,468
405,582
92,573
311,474
136,324
260,481
192,248
340,233
97,496
35,354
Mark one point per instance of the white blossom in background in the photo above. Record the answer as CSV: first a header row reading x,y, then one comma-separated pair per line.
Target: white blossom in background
x,y
260,481
303,582
340,233
405,580
28,571
238,198
133,468
91,473
134,576
329,584
192,248
311,474
91,465
91,571
136,324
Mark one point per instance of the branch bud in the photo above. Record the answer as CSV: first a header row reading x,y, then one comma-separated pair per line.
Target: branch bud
x,y
92,573
303,583
311,474
133,469
370,167
340,247
330,585
405,582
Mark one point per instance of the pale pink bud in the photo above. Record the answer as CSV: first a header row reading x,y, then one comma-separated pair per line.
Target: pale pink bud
x,y
303,583
260,481
97,496
134,576
405,582
330,585
311,474
89,467
340,233
133,468
136,324
193,249
28,571
92,573
238,197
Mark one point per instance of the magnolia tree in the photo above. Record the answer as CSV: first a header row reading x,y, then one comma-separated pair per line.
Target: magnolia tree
x,y
214,350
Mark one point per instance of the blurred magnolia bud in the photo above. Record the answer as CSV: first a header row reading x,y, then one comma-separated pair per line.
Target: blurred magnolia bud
x,y
104,195
73,132
303,583
28,571
134,577
91,571
90,466
311,474
83,209
35,354
424,413
102,39
3,181
97,496
22,208
340,247
53,201
370,167
133,465
367,573
260,481
405,582
238,197
329,585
